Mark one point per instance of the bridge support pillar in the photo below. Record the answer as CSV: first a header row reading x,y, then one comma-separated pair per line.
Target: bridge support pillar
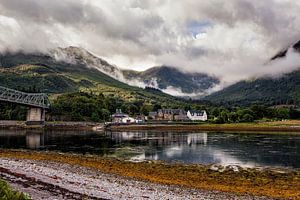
x,y
35,116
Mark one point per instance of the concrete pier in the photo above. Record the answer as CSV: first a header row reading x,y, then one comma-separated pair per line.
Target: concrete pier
x,y
35,116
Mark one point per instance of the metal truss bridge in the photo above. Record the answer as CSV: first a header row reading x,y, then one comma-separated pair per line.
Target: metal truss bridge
x,y
38,100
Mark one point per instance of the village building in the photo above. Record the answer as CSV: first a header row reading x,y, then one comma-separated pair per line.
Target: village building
x,y
140,119
152,116
171,114
128,120
196,115
119,116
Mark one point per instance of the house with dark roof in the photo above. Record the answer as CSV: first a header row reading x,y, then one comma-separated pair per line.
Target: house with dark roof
x,y
197,115
119,116
171,114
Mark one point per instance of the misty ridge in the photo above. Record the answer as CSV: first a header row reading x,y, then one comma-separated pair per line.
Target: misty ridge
x,y
209,48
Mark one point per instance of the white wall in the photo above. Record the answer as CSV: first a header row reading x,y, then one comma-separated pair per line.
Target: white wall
x,y
197,118
128,120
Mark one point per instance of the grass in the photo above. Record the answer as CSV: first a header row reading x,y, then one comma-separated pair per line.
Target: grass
x,y
7,193
267,182
276,126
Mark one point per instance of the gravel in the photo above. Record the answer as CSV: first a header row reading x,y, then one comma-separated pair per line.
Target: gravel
x,y
51,180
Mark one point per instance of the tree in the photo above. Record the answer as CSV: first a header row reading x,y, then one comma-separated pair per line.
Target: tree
x,y
105,114
95,117
258,111
294,114
145,109
156,107
247,118
224,116
283,113
242,112
233,117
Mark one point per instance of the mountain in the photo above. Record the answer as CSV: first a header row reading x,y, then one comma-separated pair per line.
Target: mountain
x,y
283,53
164,77
268,90
78,61
70,70
50,74
77,55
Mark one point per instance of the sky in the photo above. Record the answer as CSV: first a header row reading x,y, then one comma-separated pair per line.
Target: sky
x,y
232,40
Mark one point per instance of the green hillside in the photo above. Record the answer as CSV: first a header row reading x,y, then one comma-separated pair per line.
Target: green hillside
x,y
45,74
77,91
266,91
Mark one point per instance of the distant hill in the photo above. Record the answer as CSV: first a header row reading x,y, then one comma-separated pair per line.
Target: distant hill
x,y
164,76
70,70
267,90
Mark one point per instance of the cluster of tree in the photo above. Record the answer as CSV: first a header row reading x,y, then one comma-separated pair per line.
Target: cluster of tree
x,y
90,107
82,106
11,111
254,112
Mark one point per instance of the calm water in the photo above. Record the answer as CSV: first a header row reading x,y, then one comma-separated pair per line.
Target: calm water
x,y
205,148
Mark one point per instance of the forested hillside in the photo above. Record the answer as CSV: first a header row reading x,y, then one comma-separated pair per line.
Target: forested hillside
x,y
266,91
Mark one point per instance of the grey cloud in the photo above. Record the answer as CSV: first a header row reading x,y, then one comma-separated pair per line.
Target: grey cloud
x,y
244,33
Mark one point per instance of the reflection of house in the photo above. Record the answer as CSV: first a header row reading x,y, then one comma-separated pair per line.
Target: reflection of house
x,y
119,116
197,138
196,115
171,114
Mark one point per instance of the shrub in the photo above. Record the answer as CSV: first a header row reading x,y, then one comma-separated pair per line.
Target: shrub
x,y
6,193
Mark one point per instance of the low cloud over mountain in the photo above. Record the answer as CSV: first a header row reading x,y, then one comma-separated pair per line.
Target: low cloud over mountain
x,y
232,40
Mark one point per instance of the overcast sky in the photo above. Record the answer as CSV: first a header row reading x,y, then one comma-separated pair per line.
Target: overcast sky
x,y
232,39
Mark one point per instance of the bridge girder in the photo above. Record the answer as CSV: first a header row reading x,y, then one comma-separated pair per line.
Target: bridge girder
x,y
39,100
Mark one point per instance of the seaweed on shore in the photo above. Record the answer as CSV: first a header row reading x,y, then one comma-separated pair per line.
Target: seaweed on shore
x,y
275,183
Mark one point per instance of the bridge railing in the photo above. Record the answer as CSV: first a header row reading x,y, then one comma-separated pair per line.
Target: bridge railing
x,y
39,100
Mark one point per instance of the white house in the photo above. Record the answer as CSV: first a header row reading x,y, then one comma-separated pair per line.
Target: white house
x,y
119,116
196,115
128,120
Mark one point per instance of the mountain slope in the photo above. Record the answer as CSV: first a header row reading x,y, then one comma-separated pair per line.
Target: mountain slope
x,y
283,53
267,90
47,73
164,77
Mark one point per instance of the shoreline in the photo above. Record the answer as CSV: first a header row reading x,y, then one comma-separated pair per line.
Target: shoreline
x,y
207,127
82,126
53,180
273,183
277,126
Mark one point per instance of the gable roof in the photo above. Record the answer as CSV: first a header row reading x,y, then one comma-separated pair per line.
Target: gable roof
x,y
119,115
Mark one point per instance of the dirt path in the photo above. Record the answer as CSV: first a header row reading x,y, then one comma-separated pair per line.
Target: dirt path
x,y
50,180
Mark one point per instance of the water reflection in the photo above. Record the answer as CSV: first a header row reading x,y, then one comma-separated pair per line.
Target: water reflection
x,y
248,150
206,148
34,140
